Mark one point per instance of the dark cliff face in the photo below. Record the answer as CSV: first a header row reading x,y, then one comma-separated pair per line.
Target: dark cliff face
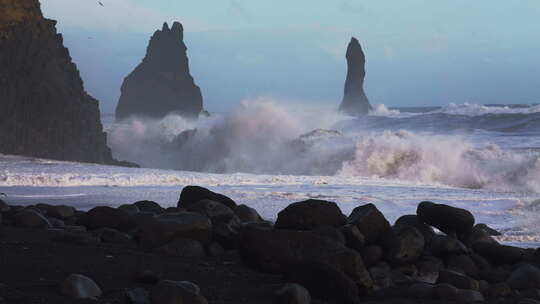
x,y
161,84
355,101
44,109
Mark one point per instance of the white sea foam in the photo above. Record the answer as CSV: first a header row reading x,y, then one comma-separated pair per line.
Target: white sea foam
x,y
471,109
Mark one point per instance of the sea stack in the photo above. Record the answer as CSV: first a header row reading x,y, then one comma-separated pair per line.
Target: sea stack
x,y
45,111
161,83
355,101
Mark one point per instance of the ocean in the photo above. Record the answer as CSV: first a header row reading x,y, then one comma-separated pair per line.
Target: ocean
x,y
265,154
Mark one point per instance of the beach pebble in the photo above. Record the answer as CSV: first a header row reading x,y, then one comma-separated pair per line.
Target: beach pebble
x,y
292,294
80,287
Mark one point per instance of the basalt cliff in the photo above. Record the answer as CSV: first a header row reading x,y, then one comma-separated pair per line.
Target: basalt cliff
x,y
161,84
45,111
355,101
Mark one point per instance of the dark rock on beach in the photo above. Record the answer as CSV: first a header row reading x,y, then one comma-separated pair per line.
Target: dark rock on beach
x,y
370,221
193,194
310,214
161,84
450,220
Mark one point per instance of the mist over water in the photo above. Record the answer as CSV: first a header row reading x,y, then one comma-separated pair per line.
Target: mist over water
x,y
457,145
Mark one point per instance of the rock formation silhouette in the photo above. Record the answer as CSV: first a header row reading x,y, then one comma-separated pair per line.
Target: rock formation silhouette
x,y
45,111
355,101
161,83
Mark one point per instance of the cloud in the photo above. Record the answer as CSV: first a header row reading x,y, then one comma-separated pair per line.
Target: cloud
x,y
351,8
238,8
117,16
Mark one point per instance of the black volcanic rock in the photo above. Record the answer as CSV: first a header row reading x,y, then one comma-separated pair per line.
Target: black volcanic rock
x,y
45,111
161,83
355,101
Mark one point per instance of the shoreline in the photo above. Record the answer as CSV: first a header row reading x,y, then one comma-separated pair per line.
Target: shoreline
x,y
234,256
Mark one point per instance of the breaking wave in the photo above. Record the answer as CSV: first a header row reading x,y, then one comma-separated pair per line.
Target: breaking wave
x,y
262,137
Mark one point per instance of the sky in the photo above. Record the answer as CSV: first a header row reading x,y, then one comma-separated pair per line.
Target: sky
x,y
419,52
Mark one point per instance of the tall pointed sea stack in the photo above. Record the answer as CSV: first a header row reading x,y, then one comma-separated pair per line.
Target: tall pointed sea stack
x,y
161,83
44,110
355,101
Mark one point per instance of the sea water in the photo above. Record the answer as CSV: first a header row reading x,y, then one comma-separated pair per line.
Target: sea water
x,y
267,155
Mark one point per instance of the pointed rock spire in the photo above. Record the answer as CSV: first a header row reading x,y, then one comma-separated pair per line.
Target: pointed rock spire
x,y
161,83
355,101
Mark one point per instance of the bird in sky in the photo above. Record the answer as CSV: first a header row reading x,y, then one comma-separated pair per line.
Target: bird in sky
x,y
100,3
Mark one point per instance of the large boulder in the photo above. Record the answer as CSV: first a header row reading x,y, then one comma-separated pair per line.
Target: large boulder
x,y
279,250
450,220
442,245
499,254
31,219
215,211
247,214
157,231
192,194
458,280
403,244
310,214
148,206
525,277
413,221
61,211
370,221
107,217
325,282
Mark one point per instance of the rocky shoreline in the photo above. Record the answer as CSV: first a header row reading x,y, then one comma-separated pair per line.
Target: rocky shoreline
x,y
210,249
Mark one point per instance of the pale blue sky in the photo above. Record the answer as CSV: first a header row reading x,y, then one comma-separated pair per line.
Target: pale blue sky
x,y
419,52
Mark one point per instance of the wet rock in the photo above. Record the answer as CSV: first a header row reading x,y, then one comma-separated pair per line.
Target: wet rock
x,y
446,245
148,206
61,212
499,290
525,277
292,294
445,292
428,269
215,211
247,214
499,254
107,217
129,208
462,263
278,250
176,292
192,194
355,101
372,254
158,231
402,244
112,236
487,229
479,234
414,221
450,220
182,248
137,296
469,296
457,279
31,219
310,214
420,291
325,282
80,287
4,207
76,238
354,239
370,221
162,77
